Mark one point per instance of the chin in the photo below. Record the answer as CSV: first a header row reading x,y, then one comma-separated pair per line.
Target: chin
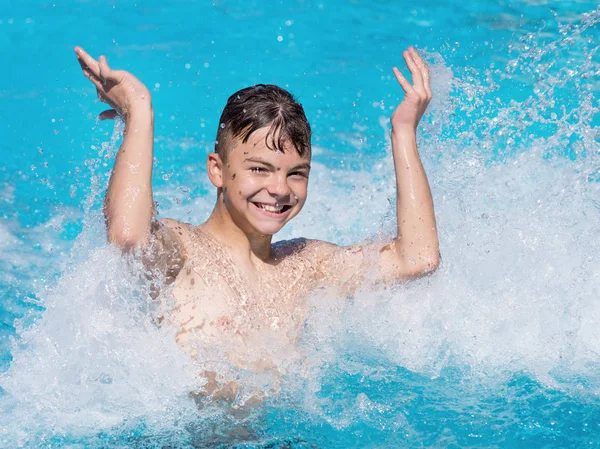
x,y
268,228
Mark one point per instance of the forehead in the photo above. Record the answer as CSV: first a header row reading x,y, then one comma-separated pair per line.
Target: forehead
x,y
256,145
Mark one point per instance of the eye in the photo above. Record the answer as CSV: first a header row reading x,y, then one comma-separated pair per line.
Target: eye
x,y
298,174
258,170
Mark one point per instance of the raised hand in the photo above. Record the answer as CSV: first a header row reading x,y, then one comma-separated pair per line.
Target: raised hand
x,y
118,88
417,96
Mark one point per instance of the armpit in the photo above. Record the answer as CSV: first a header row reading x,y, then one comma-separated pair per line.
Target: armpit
x,y
165,254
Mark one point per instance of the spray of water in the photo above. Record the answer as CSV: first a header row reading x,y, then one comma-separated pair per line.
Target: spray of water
x,y
516,189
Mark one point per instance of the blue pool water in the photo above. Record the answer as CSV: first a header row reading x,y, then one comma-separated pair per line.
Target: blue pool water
x,y
500,348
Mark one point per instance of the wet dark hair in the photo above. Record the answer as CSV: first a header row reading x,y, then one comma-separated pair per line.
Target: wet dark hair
x,y
258,106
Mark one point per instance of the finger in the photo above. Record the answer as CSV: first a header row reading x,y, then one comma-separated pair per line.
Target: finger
x,y
419,61
87,61
86,71
95,81
110,114
423,67
103,65
417,77
406,86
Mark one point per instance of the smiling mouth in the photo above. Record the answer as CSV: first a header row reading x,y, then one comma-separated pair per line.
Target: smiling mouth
x,y
272,210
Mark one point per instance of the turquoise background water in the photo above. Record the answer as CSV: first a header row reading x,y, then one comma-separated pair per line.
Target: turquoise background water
x,y
498,349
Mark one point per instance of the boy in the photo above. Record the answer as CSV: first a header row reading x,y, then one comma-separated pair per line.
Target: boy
x,y
229,283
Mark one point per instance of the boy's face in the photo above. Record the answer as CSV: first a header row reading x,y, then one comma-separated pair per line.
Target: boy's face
x,y
264,189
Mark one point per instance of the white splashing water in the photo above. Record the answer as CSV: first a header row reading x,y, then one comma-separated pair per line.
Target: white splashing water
x,y
519,284
517,291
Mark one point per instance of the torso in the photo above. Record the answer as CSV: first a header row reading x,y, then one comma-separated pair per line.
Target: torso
x,y
217,304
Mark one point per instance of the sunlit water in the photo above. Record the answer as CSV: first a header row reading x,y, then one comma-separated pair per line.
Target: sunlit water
x,y
500,348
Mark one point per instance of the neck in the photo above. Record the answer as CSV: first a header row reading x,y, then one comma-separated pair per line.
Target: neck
x,y
243,244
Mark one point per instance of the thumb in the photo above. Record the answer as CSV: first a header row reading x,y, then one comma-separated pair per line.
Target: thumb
x,y
109,114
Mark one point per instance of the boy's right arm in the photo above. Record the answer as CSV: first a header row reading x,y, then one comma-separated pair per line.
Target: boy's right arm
x,y
128,205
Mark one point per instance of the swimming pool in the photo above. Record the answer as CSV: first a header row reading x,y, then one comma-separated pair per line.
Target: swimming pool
x,y
498,349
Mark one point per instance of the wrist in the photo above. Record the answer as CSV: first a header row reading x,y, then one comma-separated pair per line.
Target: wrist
x,y
140,111
403,134
403,131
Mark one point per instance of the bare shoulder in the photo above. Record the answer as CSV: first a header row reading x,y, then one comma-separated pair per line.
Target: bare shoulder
x,y
321,253
302,247
337,266
325,250
175,230
174,225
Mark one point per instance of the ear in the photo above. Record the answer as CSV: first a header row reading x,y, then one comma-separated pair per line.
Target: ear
x,y
214,166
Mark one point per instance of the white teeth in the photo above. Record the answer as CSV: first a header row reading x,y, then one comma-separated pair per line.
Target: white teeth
x,y
270,208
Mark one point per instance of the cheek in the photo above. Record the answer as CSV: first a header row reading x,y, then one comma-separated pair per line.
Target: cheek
x,y
300,189
244,186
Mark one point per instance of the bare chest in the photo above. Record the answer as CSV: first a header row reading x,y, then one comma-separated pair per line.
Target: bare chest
x,y
215,302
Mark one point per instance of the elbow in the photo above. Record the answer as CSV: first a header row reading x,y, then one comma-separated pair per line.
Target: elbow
x,y
124,238
123,234
425,267
431,265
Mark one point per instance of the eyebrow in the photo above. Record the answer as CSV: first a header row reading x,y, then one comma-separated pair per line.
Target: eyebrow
x,y
272,167
259,161
301,166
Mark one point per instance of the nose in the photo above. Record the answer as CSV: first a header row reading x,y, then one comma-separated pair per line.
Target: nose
x,y
278,187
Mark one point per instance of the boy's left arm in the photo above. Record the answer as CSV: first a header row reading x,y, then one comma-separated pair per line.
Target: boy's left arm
x,y
415,250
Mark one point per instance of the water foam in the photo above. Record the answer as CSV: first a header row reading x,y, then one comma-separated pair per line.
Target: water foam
x,y
516,291
94,359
